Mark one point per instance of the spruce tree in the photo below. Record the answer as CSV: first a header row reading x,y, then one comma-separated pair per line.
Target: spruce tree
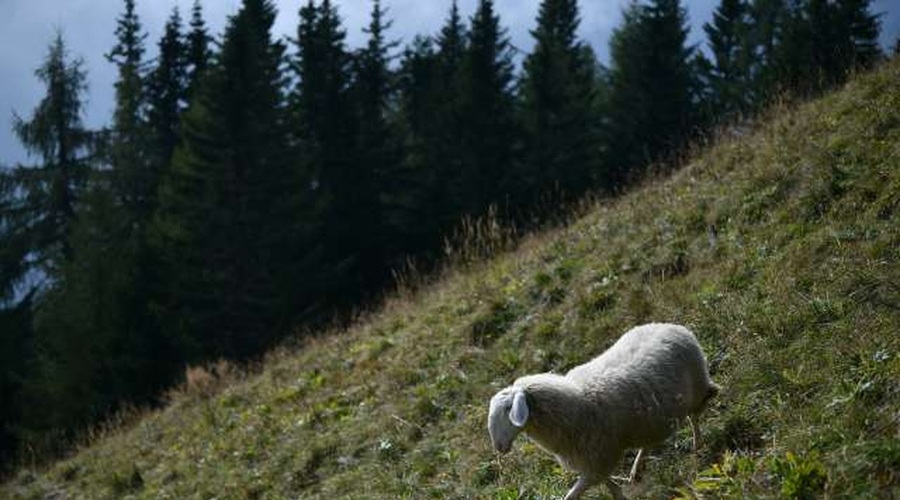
x,y
768,19
15,237
374,91
435,133
452,42
17,352
373,75
729,41
821,42
416,205
425,201
862,31
43,206
448,121
53,188
157,350
558,92
486,109
114,280
225,220
199,53
324,73
17,342
846,39
650,104
167,89
132,176
97,325
803,39
90,326
328,127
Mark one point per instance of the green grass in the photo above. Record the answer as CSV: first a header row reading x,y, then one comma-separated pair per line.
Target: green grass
x,y
780,249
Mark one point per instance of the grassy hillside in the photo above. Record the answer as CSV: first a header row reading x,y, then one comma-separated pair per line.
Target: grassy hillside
x,y
780,249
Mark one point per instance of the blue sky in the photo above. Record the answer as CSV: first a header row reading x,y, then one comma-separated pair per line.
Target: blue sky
x,y
28,26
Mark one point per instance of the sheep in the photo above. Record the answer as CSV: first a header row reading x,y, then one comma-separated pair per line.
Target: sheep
x,y
632,396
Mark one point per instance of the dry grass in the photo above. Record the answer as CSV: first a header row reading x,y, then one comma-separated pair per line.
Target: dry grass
x,y
205,381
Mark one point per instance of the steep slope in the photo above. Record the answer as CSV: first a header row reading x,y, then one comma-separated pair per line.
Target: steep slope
x,y
780,249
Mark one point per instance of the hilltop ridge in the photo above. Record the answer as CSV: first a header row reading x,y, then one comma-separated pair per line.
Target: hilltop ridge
x,y
780,249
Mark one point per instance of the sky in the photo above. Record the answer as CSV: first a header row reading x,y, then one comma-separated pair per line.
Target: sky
x,y
28,26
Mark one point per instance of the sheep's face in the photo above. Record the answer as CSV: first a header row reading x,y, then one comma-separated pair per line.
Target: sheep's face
x,y
506,418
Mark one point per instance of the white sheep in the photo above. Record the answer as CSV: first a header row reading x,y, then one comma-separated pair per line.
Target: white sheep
x,y
632,396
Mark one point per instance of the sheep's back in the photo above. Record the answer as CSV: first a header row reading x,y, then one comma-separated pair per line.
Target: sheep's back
x,y
653,376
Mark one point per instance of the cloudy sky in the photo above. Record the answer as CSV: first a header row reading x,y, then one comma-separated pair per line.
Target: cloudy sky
x,y
27,27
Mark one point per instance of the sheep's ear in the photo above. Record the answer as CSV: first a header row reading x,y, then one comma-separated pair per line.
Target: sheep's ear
x,y
518,414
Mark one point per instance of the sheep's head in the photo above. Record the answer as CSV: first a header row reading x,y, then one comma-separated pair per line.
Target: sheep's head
x,y
507,417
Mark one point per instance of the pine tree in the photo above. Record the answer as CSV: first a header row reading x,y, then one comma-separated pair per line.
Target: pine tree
x,y
650,103
225,220
558,92
486,108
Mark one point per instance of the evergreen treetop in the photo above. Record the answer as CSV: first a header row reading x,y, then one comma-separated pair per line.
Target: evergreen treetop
x,y
729,72
650,104
452,40
56,134
223,221
167,88
558,95
199,53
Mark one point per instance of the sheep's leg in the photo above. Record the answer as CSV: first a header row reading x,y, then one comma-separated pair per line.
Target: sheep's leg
x,y
636,468
695,431
577,489
614,489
